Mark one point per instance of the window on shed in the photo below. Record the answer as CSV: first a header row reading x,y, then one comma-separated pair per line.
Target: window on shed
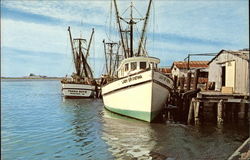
x,y
126,67
133,65
143,65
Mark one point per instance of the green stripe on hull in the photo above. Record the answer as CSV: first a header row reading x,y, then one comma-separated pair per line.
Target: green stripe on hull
x,y
145,116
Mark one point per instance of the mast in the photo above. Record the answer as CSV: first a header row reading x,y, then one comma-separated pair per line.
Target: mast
x,y
110,58
131,22
126,36
116,60
118,56
80,59
85,66
144,28
87,54
88,69
105,55
110,49
111,63
120,29
72,48
84,62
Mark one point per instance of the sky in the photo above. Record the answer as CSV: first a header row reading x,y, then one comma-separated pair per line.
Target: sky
x,y
34,37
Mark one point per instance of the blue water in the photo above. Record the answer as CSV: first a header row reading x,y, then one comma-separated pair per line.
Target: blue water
x,y
38,123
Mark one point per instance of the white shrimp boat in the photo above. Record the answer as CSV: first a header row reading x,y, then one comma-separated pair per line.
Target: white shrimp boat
x,y
81,84
73,90
140,91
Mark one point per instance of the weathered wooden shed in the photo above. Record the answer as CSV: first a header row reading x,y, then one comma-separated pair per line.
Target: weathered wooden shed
x,y
230,69
181,68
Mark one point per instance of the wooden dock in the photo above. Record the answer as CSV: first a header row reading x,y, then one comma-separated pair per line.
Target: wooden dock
x,y
228,105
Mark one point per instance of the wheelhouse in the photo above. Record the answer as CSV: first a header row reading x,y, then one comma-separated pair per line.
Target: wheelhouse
x,y
136,64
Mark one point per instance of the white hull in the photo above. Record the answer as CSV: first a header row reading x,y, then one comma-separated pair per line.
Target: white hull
x,y
70,90
140,96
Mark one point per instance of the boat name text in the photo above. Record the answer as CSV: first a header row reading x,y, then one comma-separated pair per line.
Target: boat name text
x,y
131,79
77,92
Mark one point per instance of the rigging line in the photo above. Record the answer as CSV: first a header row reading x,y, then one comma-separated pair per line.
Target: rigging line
x,y
153,28
110,20
106,22
94,58
137,33
138,11
143,47
102,68
125,11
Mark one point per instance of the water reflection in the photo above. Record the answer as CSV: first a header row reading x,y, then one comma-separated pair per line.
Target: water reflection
x,y
86,122
98,132
129,138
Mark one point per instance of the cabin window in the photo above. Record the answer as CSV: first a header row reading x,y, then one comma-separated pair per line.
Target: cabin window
x,y
126,67
133,66
143,65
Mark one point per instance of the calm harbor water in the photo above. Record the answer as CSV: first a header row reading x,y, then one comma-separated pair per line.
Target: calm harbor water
x,y
38,123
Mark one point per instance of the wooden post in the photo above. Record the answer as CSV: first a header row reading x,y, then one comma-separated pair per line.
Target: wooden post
x,y
188,80
196,112
241,113
235,112
196,77
232,111
169,116
191,111
182,79
220,112
175,82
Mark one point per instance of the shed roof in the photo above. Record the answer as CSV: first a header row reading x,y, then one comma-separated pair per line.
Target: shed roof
x,y
192,64
244,54
165,70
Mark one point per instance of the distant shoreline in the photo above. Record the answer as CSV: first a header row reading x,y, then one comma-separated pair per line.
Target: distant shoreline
x,y
30,78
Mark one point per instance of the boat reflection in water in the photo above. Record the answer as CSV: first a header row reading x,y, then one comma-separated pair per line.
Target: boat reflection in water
x,y
129,138
91,132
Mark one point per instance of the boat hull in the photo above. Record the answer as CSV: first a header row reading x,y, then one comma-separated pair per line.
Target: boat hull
x,y
78,90
141,96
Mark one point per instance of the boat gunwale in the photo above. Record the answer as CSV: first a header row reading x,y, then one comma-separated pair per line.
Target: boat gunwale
x,y
79,89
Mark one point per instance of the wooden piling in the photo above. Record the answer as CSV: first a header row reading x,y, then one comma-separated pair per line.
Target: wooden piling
x,y
220,112
182,80
242,109
188,80
196,112
196,77
175,82
191,111
236,111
